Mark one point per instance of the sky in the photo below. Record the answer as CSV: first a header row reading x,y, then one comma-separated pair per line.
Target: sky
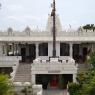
x,y
19,14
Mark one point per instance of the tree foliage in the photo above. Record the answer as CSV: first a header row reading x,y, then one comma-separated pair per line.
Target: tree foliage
x,y
74,88
91,60
86,81
89,27
4,85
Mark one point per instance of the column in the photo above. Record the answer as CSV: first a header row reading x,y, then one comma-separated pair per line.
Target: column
x,y
13,48
1,49
57,49
74,78
80,49
92,48
16,48
33,78
49,49
19,49
37,50
27,49
71,50
5,49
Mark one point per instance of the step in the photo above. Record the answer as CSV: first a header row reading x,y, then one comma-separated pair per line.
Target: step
x,y
23,73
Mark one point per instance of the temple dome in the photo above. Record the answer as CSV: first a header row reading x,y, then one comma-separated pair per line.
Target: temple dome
x,y
10,31
27,29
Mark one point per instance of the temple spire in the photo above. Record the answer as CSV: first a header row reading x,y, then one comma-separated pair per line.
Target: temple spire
x,y
53,14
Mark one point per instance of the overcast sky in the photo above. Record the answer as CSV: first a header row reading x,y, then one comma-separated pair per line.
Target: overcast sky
x,y
21,13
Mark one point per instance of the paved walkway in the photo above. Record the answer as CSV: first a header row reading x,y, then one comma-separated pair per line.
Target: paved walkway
x,y
54,92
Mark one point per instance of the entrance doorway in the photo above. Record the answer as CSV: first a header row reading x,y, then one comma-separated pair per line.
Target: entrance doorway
x,y
32,52
76,50
84,53
59,81
54,81
23,54
28,53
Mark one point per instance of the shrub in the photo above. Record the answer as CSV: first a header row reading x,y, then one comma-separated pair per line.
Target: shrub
x,y
5,85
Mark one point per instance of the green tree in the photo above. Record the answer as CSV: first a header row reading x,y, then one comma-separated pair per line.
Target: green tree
x,y
74,88
89,27
91,60
5,85
86,81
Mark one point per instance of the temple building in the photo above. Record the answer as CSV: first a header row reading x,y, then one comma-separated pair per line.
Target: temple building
x,y
28,55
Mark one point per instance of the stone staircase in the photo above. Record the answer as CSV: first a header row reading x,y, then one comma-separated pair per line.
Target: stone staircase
x,y
23,73
55,92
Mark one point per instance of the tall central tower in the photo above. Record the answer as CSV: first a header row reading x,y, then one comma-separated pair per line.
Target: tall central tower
x,y
53,14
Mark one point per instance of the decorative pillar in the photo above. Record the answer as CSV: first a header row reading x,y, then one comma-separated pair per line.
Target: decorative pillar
x,y
71,50
74,78
37,50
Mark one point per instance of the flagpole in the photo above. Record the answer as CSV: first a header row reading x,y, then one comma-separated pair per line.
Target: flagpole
x,y
53,14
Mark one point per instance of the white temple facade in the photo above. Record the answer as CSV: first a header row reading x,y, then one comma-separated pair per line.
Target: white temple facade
x,y
35,48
